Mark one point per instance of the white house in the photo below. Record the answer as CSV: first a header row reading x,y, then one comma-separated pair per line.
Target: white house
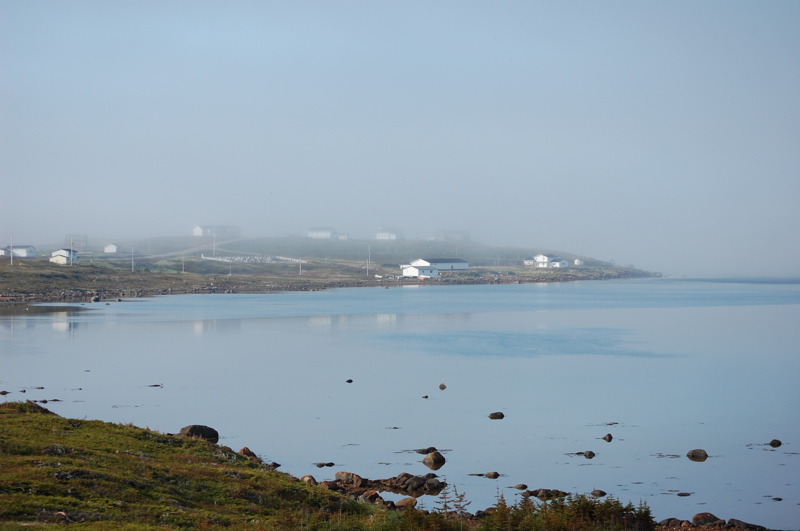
x,y
544,261
65,256
229,232
19,251
432,267
389,234
110,248
578,262
322,233
541,260
419,271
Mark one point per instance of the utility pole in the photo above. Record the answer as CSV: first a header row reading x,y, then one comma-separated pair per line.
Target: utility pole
x,y
369,256
132,260
11,248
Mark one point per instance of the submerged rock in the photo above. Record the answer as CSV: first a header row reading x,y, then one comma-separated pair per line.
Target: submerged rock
x,y
497,415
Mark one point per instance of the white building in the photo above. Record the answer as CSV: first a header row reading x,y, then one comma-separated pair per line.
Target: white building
x,y
541,260
389,234
65,257
432,267
322,233
110,248
228,232
19,251
545,261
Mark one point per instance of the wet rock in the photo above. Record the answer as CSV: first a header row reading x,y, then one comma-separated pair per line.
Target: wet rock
x,y
520,486
597,493
589,454
699,455
547,494
425,396
684,494
442,386
426,451
200,432
349,380
497,415
775,443
492,475
706,519
434,460
608,437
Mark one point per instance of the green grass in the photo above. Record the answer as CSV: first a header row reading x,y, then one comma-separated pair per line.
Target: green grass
x,y
99,475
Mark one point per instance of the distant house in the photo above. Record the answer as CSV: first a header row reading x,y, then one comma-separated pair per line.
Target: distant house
x,y
433,267
541,260
322,233
65,257
454,235
19,251
545,261
389,234
227,232
110,248
578,262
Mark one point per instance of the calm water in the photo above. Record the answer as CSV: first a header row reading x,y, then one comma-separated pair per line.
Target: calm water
x,y
664,365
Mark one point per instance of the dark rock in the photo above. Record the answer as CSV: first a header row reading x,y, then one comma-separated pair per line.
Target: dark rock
x,y
426,451
425,396
497,415
349,381
684,494
589,454
608,437
597,493
492,475
698,455
200,432
705,519
520,486
442,386
775,443
434,460
311,480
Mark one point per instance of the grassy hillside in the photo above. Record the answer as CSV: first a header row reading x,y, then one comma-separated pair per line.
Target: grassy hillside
x,y
98,475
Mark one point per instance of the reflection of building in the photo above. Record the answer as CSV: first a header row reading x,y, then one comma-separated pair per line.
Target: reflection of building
x,y
65,256
19,251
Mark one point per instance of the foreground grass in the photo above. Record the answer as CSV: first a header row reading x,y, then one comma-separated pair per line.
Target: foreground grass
x,y
98,475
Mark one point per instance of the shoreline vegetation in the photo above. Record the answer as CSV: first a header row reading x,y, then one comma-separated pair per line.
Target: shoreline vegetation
x,y
196,265
99,475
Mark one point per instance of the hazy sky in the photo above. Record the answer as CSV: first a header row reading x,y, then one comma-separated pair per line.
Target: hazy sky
x,y
660,134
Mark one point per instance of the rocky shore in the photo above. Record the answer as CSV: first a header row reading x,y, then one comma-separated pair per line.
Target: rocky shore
x,y
413,487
